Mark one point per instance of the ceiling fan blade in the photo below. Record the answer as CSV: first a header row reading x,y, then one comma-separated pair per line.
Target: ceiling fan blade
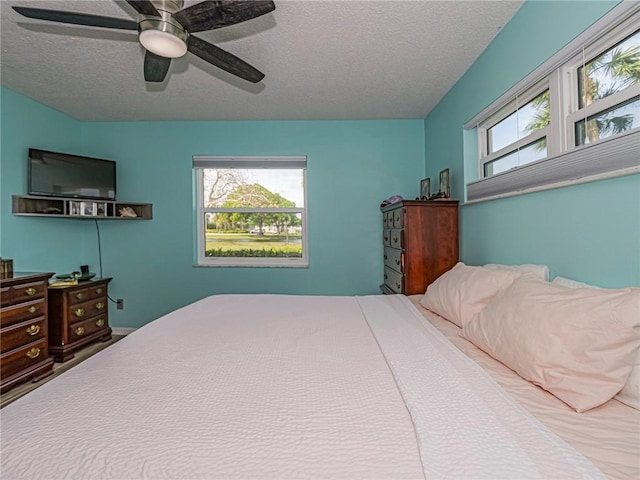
x,y
213,14
77,18
145,7
155,67
224,60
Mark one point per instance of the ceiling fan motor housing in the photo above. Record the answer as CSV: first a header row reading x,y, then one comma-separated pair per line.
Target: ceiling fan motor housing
x,y
163,35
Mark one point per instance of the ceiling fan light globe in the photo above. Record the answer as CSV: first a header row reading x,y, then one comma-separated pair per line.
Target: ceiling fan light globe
x,y
163,43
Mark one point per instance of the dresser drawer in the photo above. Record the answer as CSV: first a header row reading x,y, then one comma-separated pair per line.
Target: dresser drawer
x,y
5,295
78,296
98,291
82,295
394,259
22,358
82,311
387,220
85,328
386,237
397,238
398,217
394,280
18,335
28,291
22,312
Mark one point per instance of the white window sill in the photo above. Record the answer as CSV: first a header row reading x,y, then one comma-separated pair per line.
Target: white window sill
x,y
253,263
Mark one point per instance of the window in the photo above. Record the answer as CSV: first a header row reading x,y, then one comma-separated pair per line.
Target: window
x,y
520,137
577,117
607,88
251,211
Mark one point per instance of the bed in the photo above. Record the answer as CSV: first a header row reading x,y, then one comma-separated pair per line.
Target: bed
x,y
297,387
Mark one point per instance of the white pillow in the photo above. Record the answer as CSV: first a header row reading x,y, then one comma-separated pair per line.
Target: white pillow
x,y
630,394
576,343
567,282
463,291
541,271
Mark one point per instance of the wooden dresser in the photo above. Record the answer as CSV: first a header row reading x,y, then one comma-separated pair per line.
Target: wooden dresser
x,y
420,243
24,353
78,315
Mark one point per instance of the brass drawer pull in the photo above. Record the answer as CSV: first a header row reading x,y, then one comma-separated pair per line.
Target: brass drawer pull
x,y
33,330
100,322
33,352
98,291
79,331
32,309
100,305
31,291
79,312
79,295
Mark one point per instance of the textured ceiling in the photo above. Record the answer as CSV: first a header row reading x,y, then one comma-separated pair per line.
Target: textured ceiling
x,y
322,59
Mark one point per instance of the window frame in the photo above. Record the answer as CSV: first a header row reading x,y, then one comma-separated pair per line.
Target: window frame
x,y
510,108
559,73
570,73
201,162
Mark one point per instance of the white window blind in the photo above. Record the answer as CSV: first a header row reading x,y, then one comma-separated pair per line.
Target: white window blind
x,y
608,158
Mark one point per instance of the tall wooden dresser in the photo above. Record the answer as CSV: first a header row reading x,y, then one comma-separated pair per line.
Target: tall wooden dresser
x,y
78,315
24,353
420,243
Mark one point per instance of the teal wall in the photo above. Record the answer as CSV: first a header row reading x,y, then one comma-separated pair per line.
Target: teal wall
x,y
352,166
589,232
46,244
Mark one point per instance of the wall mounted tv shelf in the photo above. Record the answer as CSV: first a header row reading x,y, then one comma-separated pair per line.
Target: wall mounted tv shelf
x,y
80,208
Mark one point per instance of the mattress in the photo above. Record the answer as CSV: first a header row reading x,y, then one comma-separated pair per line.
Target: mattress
x,y
608,435
276,387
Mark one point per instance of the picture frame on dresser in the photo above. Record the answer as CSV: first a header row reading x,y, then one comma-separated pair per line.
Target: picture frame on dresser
x,y
425,188
444,187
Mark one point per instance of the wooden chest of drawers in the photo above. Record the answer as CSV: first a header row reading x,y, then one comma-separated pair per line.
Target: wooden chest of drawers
x,y
24,353
420,243
78,315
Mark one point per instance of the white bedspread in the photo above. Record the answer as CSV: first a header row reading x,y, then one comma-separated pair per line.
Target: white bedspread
x,y
275,387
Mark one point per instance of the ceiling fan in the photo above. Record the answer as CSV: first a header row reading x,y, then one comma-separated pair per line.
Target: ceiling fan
x,y
165,30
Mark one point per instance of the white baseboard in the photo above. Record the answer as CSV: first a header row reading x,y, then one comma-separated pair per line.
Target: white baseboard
x,y
122,330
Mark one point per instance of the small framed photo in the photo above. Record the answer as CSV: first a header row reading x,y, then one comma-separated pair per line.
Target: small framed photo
x,y
425,188
88,209
101,210
75,208
444,183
